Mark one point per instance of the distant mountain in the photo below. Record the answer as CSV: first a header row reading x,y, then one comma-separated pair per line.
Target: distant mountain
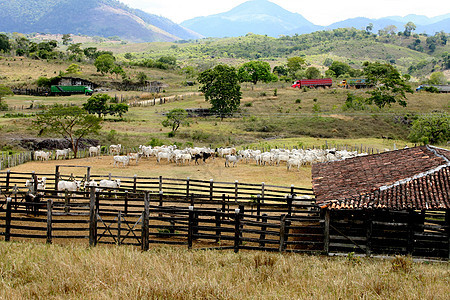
x,y
88,17
256,16
264,17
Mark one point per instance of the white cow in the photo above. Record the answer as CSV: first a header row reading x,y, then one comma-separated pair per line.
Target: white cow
x,y
115,149
134,156
125,160
92,183
64,153
110,184
70,186
40,184
94,151
232,159
42,155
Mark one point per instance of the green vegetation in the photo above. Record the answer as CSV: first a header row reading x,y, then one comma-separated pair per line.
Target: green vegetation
x,y
221,88
431,129
72,123
174,119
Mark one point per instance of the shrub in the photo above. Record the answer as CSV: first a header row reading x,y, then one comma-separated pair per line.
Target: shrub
x,y
298,101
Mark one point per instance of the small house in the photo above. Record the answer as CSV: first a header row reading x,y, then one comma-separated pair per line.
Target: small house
x,y
396,202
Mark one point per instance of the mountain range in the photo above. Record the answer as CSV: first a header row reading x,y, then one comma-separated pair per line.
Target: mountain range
x,y
265,17
89,17
113,18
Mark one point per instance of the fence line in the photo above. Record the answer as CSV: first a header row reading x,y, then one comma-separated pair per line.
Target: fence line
x,y
142,218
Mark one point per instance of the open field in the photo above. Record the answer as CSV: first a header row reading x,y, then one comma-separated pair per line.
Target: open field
x,y
245,173
73,272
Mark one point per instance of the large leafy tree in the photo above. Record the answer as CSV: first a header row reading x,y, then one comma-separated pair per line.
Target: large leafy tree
x,y
98,104
295,64
72,122
254,71
220,86
389,85
104,63
174,119
312,73
5,45
431,129
339,68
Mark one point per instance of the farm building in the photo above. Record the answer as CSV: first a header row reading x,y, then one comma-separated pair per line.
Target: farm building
x,y
395,202
76,81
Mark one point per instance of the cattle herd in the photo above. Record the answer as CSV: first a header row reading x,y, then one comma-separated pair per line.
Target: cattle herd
x,y
171,154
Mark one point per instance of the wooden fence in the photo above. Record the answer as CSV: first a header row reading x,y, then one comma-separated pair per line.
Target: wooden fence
x,y
214,215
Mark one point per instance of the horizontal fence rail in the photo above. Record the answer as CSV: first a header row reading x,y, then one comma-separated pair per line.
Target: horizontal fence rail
x,y
211,215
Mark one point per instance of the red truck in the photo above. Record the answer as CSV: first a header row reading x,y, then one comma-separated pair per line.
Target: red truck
x,y
313,83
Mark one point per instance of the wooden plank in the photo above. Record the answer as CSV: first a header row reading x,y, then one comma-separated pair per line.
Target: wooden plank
x,y
326,232
49,221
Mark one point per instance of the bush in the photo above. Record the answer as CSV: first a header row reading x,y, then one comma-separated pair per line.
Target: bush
x,y
431,129
298,101
354,102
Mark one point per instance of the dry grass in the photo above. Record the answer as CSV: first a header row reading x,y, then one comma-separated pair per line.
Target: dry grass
x,y
36,271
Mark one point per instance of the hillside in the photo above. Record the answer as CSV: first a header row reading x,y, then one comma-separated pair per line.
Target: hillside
x,y
88,17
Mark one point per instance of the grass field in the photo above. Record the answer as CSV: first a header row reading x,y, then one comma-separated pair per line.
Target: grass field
x,y
37,271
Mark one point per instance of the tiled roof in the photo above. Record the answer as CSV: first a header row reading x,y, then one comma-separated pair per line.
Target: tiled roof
x,y
416,178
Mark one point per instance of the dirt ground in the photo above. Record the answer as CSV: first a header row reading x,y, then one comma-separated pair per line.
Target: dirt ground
x,y
148,167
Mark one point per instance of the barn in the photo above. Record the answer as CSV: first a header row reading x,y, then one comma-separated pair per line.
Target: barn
x,y
396,202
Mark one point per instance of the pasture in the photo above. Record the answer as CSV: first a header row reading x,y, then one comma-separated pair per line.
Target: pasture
x,y
73,272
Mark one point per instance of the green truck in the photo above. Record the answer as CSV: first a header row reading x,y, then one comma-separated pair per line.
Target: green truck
x,y
70,89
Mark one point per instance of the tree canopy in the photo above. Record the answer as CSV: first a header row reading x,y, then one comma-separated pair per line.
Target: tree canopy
x,y
72,123
104,63
389,86
174,119
431,129
254,71
220,86
98,104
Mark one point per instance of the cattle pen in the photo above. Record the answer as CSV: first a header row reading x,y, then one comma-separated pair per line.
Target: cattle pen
x,y
200,214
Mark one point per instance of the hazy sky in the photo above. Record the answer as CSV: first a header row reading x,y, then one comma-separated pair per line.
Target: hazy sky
x,y
323,12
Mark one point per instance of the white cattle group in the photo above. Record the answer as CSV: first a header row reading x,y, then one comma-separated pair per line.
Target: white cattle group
x,y
42,155
94,151
295,157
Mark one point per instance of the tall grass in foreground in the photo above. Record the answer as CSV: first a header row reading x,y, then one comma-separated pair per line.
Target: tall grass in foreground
x,y
36,271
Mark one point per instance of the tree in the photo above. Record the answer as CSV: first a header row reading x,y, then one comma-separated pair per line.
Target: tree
x,y
254,71
369,27
431,129
174,119
66,39
118,70
339,68
312,73
118,109
142,77
97,104
73,69
104,63
295,64
280,70
438,78
72,122
221,87
390,86
5,45
409,27
4,91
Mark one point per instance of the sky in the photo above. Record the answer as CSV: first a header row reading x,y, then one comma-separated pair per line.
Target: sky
x,y
324,12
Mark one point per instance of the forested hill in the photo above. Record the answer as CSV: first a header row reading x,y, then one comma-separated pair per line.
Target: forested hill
x,y
88,17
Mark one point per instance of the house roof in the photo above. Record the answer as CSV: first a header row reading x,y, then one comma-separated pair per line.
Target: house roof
x,y
416,178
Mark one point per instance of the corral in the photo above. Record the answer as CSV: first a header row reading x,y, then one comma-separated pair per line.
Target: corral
x,y
215,215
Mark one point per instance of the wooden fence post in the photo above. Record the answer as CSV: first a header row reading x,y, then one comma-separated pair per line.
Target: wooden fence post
x,y
237,231
8,179
218,224
119,225
160,184
262,192
49,220
8,220
258,206
187,189
369,224
326,234
282,233
92,218
289,204
145,223
126,203
236,191
211,188
411,220
56,177
66,201
190,226
134,183
262,236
